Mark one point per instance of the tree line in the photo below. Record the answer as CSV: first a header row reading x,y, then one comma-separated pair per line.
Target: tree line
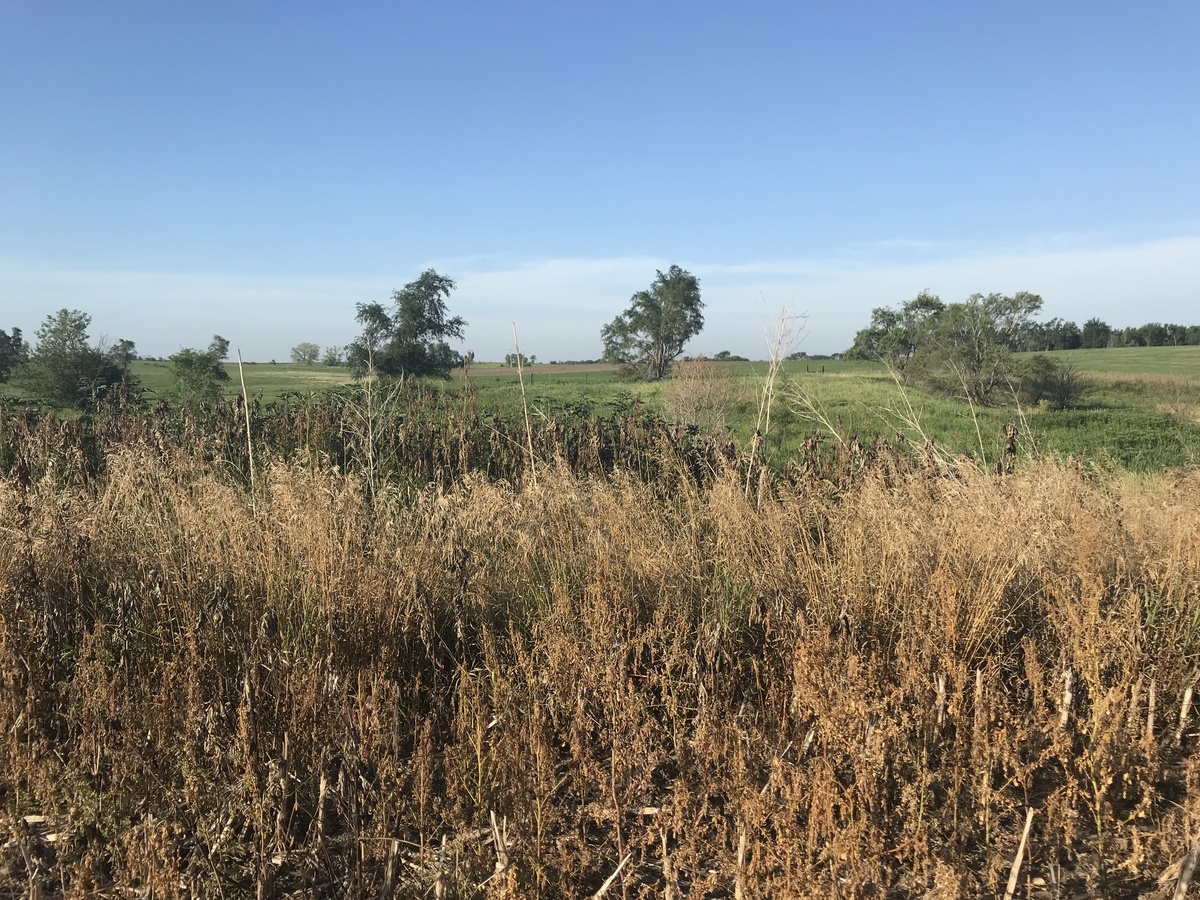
x,y
407,338
1058,334
66,369
964,348
967,349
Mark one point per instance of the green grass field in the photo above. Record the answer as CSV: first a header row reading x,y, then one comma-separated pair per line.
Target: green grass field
x,y
1136,360
268,381
1141,409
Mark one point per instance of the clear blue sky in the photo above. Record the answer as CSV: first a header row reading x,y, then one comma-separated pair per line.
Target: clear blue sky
x,y
256,169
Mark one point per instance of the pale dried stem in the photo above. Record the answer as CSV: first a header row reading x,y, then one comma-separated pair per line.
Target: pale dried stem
x,y
1015,871
1068,697
612,878
246,411
1183,715
525,407
1187,870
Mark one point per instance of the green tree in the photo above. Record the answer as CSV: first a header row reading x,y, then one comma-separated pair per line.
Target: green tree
x,y
970,350
1055,334
511,360
411,338
124,352
1053,383
198,375
65,369
651,333
333,356
895,335
1095,334
305,353
963,348
1176,334
1154,334
13,353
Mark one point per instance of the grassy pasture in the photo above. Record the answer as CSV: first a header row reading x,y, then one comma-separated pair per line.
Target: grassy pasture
x,y
1141,410
1136,360
267,381
1142,414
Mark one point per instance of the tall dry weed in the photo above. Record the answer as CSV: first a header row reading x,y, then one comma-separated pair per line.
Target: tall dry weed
x,y
855,682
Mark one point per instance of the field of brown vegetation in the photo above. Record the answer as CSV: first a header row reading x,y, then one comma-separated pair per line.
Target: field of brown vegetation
x,y
391,658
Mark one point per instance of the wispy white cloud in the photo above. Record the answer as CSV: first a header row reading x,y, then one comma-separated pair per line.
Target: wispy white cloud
x,y
560,305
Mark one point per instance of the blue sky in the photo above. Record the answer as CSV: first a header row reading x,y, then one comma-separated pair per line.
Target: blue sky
x,y
256,169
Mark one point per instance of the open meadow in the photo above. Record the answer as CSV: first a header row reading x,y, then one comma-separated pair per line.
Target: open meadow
x,y
401,641
1140,408
1140,411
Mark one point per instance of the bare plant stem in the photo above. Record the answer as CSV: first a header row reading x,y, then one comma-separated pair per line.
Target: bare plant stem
x,y
1187,870
611,878
525,407
1183,715
246,410
1150,712
974,415
780,344
1015,871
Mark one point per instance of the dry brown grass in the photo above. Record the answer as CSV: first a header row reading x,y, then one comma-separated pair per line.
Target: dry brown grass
x,y
306,693
701,394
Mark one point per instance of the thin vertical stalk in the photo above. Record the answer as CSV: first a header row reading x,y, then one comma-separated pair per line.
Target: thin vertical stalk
x,y
525,408
246,410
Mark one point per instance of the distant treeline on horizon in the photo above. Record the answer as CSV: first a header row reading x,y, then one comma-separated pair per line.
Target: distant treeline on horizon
x,y
1058,334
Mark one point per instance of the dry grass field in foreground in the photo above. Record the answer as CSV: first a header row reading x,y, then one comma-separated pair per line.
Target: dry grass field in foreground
x,y
593,685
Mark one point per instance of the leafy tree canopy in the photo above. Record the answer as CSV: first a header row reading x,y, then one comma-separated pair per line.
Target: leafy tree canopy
x,y
124,352
895,335
652,332
1096,333
970,350
410,338
13,353
1056,334
65,369
198,375
305,353
964,348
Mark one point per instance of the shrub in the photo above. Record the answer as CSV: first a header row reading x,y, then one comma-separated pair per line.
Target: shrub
x,y
1054,383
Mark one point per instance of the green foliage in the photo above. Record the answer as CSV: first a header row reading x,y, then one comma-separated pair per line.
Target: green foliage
x,y
970,351
411,338
305,353
198,376
651,333
1053,383
333,356
894,336
963,348
124,352
512,359
1056,334
13,352
64,369
1095,334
